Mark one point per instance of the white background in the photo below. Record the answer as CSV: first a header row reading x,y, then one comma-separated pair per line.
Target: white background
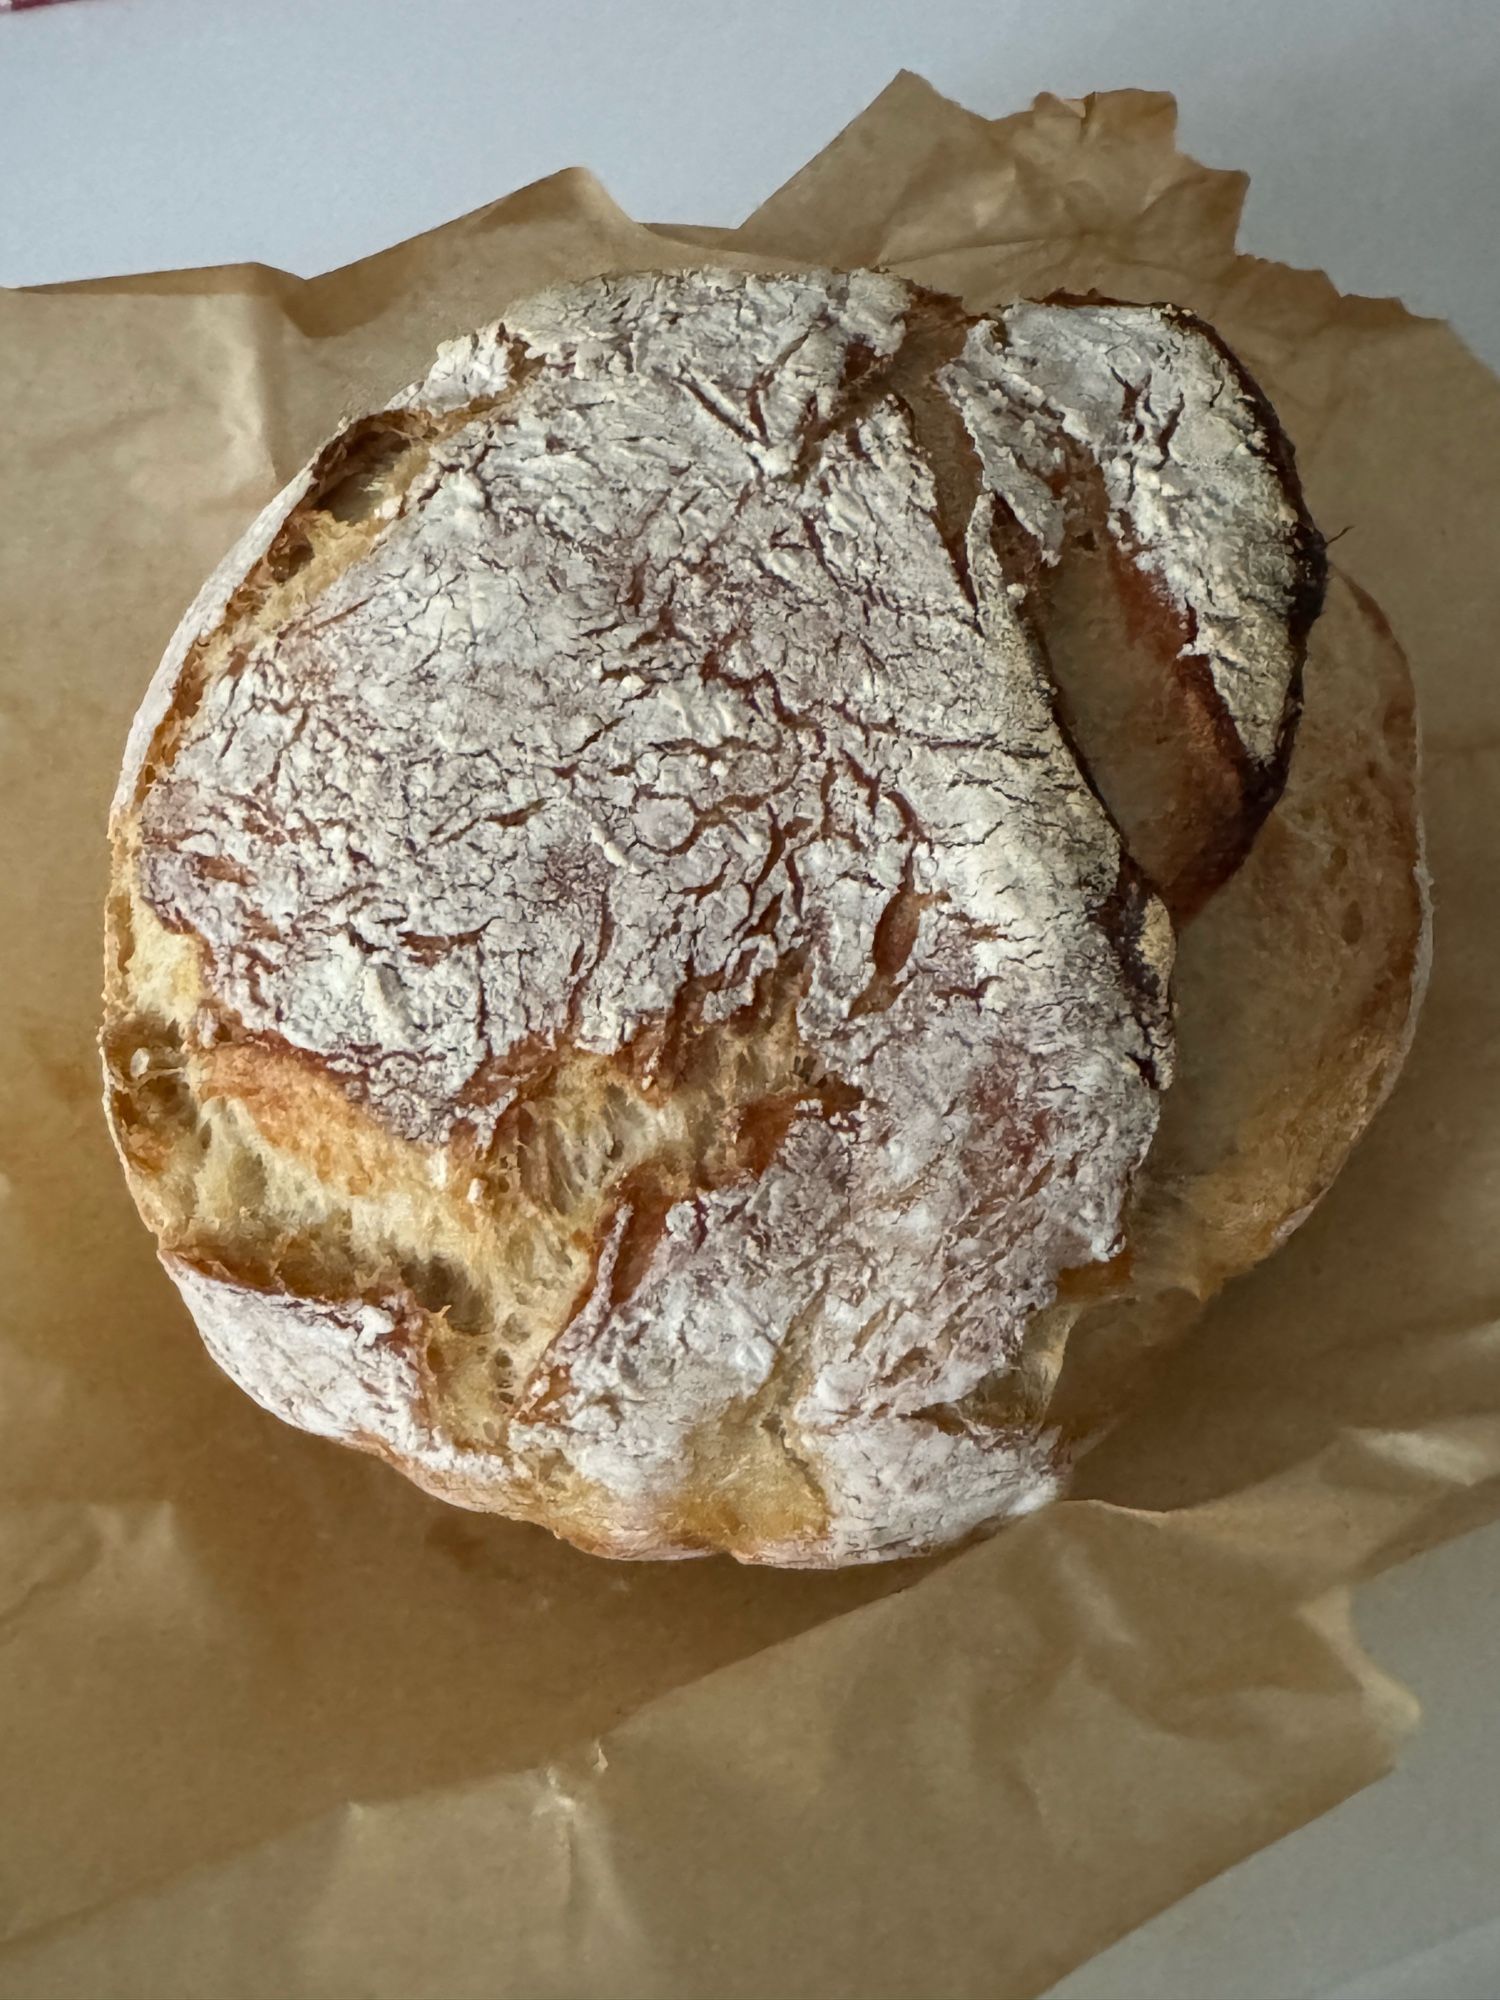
x,y
140,134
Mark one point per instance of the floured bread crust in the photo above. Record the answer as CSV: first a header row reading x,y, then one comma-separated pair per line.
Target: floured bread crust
x,y
622,997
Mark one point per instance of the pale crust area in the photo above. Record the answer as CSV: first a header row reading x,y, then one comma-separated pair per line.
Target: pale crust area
x,y
1298,992
621,997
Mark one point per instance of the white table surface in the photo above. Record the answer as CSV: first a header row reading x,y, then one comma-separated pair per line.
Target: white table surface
x,y
142,134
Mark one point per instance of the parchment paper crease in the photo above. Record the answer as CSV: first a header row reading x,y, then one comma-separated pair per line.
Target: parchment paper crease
x,y
271,1722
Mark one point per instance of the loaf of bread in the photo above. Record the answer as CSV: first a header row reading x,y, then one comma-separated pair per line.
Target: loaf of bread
x,y
645,892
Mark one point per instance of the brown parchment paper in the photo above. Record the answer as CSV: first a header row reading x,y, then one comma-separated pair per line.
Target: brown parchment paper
x,y
271,1721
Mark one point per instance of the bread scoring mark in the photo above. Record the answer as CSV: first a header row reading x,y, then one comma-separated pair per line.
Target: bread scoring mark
x,y
690,666
1132,425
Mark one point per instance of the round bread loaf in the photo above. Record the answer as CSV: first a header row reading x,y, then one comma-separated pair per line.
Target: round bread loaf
x,y
640,940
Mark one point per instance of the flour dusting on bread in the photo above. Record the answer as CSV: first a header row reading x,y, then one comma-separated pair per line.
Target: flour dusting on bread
x,y
624,997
